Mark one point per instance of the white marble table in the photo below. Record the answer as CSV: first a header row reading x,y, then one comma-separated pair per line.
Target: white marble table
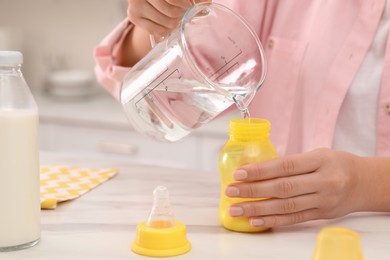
x,y
101,224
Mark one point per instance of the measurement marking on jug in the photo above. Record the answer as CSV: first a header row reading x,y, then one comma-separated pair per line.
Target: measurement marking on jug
x,y
220,75
232,41
161,82
226,64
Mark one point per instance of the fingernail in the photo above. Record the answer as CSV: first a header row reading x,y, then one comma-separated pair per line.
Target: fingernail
x,y
257,222
232,191
236,211
240,175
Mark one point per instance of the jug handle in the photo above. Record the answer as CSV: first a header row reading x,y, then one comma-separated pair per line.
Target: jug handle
x,y
153,39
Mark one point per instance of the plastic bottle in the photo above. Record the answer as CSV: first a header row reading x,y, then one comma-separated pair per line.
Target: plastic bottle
x,y
248,143
19,158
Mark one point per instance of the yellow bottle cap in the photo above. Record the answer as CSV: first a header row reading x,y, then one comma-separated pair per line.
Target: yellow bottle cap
x,y
337,243
161,235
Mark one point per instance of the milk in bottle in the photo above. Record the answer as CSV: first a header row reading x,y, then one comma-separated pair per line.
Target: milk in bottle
x,y
19,162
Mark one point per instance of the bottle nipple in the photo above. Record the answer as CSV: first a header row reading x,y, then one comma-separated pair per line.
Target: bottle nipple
x,y
161,215
161,235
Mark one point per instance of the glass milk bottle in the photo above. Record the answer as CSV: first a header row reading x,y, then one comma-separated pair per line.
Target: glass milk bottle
x,y
19,158
248,143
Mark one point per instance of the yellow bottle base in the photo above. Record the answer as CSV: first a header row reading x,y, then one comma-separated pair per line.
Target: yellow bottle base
x,y
239,224
161,242
246,230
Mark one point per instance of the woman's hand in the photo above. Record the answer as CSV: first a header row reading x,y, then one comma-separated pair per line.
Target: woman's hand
x,y
157,17
314,185
150,17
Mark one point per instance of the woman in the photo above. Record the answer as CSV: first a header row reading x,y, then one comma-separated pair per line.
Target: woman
x,y
327,96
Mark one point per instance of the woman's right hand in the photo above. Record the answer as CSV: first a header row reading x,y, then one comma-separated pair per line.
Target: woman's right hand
x,y
150,17
157,17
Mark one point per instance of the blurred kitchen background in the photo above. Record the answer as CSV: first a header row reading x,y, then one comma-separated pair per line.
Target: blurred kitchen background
x,y
56,34
57,38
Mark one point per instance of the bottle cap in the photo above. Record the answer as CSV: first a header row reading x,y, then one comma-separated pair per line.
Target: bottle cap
x,y
11,57
337,243
161,235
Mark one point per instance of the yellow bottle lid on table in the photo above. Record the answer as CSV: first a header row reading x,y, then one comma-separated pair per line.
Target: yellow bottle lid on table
x,y
338,243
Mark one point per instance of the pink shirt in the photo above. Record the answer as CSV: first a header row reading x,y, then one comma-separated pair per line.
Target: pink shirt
x,y
314,48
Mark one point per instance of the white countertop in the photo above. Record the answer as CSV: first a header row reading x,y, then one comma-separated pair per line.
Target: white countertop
x,y
102,110
101,224
97,110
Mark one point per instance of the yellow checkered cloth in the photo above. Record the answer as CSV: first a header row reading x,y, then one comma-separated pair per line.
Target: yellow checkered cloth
x,y
61,183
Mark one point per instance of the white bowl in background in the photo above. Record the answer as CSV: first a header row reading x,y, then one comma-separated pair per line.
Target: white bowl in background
x,y
70,83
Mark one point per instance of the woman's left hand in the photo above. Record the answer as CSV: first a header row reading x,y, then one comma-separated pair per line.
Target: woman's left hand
x,y
315,185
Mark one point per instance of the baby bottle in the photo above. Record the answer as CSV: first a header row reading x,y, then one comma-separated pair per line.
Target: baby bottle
x,y
248,143
19,164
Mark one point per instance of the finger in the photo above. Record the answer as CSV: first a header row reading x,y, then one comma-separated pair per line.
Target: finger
x,y
185,4
169,10
279,167
160,25
276,188
160,18
274,206
283,220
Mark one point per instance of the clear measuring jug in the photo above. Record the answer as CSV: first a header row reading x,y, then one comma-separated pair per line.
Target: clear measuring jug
x,y
212,60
